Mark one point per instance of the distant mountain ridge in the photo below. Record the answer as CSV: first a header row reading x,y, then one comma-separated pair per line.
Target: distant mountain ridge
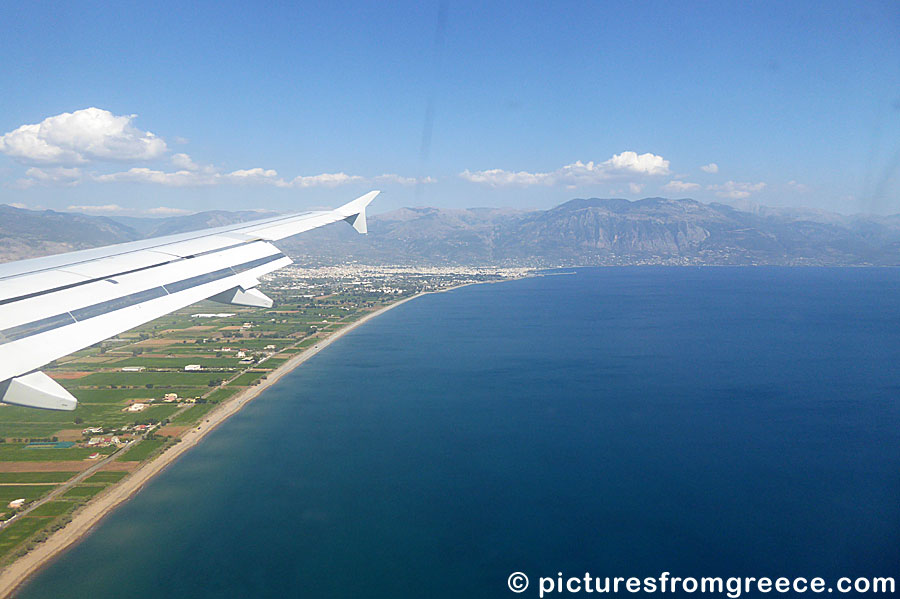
x,y
613,232
30,233
579,232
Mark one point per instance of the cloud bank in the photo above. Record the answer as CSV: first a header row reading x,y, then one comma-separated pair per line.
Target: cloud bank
x,y
736,190
680,186
628,164
200,176
80,137
61,148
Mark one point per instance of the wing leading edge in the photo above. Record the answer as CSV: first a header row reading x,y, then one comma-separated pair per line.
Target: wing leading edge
x,y
56,305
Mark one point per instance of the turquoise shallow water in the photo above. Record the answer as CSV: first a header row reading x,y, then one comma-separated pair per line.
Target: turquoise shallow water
x,y
707,422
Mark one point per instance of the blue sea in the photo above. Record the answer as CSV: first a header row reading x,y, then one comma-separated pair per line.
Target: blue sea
x,y
617,421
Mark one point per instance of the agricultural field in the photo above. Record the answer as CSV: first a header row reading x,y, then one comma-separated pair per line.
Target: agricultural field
x,y
193,414
247,379
142,450
83,491
106,477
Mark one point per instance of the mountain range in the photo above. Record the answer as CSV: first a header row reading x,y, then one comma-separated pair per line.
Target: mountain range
x,y
579,232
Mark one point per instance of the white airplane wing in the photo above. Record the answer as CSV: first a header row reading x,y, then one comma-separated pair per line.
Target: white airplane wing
x,y
56,305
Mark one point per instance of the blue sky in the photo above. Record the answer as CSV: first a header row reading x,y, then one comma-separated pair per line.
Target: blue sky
x,y
293,106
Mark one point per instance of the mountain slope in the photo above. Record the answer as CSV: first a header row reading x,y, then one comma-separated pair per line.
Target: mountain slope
x,y
30,233
579,232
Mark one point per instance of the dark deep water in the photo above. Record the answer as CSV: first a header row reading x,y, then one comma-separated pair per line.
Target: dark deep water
x,y
622,421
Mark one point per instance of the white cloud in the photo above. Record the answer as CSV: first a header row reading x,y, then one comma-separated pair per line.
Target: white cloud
x,y
184,162
146,175
635,187
624,165
191,178
401,180
18,205
632,162
95,135
498,177
255,175
80,137
56,175
325,180
798,186
736,190
102,209
680,186
208,176
167,211
712,167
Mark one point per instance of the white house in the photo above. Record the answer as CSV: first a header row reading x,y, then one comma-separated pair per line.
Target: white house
x,y
192,367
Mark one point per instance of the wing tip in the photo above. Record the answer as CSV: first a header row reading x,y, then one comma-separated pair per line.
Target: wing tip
x,y
355,212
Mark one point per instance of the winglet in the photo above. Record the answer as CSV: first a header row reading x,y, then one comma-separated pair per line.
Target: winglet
x,y
355,212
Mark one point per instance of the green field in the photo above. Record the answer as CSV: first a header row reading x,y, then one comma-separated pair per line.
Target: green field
x,y
221,394
193,414
246,379
35,477
142,450
52,508
140,379
110,476
180,363
273,363
113,416
28,492
83,491
27,422
13,452
20,530
119,395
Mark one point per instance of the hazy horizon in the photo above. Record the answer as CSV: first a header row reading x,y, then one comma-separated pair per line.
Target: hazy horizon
x,y
115,211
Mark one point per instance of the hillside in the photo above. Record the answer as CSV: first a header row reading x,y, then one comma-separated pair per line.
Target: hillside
x,y
578,232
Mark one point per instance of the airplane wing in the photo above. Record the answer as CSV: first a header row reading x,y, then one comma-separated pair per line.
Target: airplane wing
x,y
56,305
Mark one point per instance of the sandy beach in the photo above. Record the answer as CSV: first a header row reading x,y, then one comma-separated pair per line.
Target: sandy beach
x,y
84,520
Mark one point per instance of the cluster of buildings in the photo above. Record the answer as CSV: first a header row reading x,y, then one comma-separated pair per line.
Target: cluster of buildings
x,y
386,280
140,406
105,442
120,437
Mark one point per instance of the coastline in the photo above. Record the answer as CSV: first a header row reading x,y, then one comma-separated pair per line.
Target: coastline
x,y
18,572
